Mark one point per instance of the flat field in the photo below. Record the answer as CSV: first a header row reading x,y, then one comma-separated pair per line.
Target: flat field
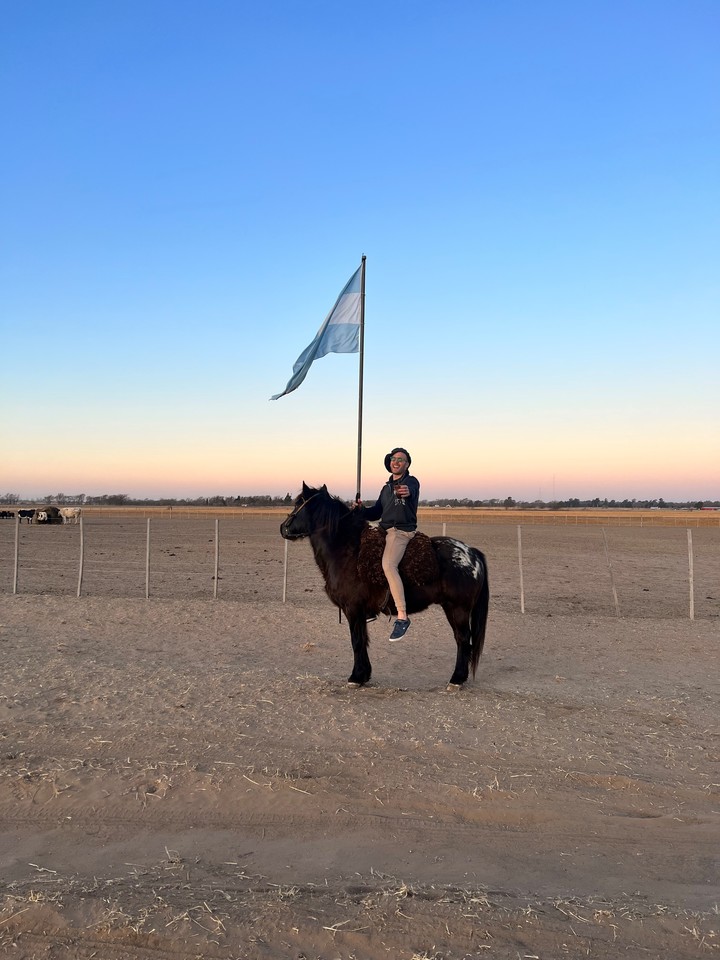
x,y
191,777
567,566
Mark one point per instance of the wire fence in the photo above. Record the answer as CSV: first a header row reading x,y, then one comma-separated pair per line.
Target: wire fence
x,y
580,516
552,569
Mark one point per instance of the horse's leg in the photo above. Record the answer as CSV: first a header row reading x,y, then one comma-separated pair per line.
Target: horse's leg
x,y
459,620
359,639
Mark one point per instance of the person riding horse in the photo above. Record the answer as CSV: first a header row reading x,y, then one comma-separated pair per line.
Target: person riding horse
x,y
396,509
455,579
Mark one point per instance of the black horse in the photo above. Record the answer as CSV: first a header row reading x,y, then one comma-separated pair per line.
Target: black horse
x,y
455,578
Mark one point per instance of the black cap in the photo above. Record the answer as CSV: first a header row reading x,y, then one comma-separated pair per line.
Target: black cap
x,y
393,452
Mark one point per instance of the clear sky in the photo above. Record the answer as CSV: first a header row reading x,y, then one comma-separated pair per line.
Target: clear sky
x,y
187,185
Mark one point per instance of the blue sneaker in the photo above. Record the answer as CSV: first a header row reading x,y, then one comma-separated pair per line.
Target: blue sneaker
x,y
399,630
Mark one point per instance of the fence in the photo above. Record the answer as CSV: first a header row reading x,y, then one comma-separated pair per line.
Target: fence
x,y
555,569
581,516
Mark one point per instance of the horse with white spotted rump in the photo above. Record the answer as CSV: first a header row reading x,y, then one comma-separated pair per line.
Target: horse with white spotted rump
x,y
454,576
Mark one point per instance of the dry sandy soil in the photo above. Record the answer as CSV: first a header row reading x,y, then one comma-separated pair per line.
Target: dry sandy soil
x,y
183,777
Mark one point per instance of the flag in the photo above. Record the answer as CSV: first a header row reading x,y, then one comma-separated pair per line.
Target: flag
x,y
340,333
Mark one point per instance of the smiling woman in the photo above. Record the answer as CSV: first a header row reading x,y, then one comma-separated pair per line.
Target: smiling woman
x,y
396,509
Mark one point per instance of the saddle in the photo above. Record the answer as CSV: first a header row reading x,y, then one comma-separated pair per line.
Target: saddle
x,y
419,564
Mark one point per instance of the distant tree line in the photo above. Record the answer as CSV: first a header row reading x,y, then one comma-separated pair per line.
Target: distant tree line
x,y
266,500
124,500
574,503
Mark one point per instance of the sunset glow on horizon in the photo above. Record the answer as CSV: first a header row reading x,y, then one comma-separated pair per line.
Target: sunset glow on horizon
x,y
582,469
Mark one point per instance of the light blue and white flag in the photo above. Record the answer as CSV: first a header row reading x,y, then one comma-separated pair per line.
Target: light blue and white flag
x,y
340,333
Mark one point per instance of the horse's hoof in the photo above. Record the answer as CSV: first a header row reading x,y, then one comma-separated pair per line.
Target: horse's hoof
x,y
453,687
354,685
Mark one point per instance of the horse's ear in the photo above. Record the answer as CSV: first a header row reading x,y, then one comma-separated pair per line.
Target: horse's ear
x,y
305,487
323,489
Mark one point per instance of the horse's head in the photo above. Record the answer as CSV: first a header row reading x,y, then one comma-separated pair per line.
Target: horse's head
x,y
298,524
314,509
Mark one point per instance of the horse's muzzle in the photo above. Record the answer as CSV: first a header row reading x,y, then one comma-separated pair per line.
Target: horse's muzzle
x,y
286,533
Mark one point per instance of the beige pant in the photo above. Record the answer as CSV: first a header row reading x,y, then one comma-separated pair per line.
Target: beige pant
x,y
396,542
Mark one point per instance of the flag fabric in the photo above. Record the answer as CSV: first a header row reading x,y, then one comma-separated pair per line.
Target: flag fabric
x,y
340,333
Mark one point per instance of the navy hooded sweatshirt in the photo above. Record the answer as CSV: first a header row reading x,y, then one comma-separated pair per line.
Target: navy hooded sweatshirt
x,y
392,511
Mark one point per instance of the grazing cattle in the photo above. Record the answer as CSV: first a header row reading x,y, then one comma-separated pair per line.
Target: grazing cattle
x,y
48,515
26,515
7,514
70,514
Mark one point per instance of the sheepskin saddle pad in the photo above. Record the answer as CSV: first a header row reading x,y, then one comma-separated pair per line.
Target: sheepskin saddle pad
x,y
419,565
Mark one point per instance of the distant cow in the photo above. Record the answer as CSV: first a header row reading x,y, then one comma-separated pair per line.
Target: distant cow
x,y
48,515
26,515
70,514
7,514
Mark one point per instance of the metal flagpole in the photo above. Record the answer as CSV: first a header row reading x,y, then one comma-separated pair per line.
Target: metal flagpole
x,y
360,375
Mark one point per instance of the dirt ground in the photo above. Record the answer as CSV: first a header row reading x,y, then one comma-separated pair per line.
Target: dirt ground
x,y
187,777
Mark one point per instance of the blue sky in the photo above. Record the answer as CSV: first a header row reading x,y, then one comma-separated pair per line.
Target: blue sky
x,y
186,188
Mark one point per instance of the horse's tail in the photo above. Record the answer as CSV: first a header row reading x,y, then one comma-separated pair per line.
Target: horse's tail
x,y
479,615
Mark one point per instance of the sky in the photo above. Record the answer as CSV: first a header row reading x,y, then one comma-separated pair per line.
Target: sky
x,y
187,185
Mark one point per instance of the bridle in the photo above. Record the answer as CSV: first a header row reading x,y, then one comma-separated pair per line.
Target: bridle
x,y
300,506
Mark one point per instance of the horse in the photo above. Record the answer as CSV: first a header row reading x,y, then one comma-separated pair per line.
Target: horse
x,y
456,579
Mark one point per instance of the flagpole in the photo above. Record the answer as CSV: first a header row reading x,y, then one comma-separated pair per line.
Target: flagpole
x,y
360,374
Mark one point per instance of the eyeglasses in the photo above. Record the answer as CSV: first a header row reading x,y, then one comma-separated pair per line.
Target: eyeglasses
x,y
397,460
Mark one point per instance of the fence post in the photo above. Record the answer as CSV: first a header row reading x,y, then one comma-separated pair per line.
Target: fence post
x,y
82,556
285,565
217,557
147,562
691,574
17,548
522,585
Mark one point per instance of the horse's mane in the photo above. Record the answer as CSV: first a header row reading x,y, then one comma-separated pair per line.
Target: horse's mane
x,y
328,511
